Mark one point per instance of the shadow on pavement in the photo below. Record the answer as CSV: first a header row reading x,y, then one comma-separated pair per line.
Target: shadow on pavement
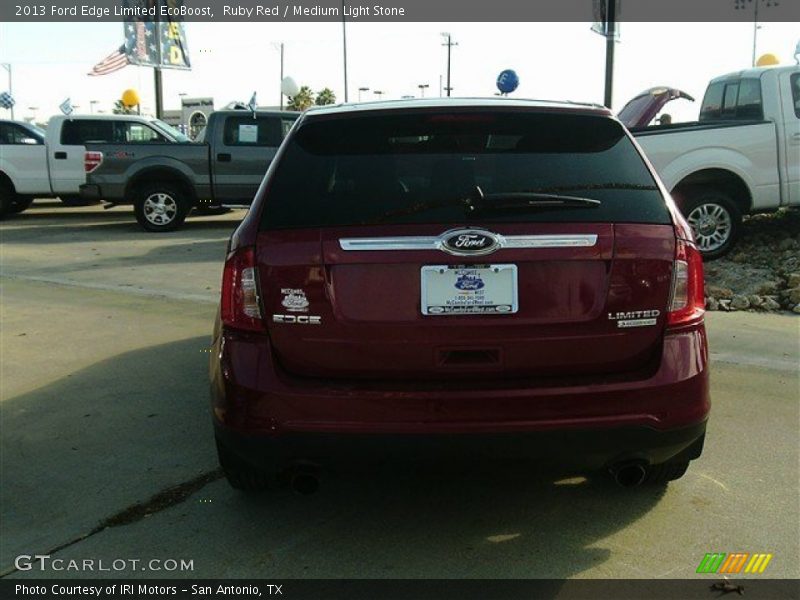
x,y
113,435
80,449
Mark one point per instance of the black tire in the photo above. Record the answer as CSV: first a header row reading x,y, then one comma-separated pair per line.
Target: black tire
x,y
75,201
160,207
666,472
715,220
9,200
244,476
20,204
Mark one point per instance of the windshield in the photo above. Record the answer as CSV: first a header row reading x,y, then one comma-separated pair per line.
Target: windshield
x,y
171,131
419,167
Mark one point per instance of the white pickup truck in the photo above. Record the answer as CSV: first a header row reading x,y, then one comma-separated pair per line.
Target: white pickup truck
x,y
741,157
38,164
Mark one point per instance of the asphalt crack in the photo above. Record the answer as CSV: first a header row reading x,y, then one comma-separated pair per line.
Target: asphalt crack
x,y
167,498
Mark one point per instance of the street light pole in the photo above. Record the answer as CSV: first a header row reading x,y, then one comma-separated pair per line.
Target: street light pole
x,y
344,49
280,91
611,25
449,43
362,89
422,87
755,30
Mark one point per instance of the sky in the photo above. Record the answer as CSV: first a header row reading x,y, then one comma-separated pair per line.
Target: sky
x,y
560,61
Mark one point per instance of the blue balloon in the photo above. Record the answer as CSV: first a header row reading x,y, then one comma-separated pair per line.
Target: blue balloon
x,y
507,81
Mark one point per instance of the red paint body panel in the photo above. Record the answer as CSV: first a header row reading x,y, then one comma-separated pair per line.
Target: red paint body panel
x,y
257,397
372,325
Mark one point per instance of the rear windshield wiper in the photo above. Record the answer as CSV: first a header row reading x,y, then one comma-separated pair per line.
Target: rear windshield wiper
x,y
478,201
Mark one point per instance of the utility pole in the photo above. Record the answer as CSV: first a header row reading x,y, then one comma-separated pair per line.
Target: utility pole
x,y
159,93
449,43
280,90
344,49
755,30
611,27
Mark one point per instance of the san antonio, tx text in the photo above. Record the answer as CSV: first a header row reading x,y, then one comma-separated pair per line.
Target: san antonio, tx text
x,y
130,589
301,10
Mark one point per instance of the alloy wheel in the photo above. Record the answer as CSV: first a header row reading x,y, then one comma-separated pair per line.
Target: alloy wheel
x,y
712,225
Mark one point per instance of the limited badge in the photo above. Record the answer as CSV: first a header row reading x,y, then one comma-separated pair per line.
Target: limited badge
x,y
294,300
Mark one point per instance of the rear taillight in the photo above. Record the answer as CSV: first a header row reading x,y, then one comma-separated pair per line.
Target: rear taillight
x,y
92,160
687,301
240,306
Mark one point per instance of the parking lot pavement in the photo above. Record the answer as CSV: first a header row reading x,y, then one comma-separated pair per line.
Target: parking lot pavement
x,y
104,406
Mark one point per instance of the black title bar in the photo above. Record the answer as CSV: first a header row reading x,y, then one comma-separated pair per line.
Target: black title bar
x,y
397,10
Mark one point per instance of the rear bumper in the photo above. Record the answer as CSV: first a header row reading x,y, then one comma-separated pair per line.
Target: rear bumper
x,y
574,449
268,416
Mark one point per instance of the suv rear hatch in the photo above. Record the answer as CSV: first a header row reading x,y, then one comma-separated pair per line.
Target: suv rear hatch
x,y
463,243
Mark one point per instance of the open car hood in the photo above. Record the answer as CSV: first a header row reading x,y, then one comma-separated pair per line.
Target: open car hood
x,y
643,108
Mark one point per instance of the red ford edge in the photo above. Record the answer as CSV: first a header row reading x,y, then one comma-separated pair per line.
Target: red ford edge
x,y
460,277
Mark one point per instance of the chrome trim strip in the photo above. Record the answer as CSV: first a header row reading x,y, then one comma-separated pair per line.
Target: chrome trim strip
x,y
390,243
567,240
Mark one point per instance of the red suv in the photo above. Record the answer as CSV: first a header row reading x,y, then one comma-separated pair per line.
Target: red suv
x,y
472,277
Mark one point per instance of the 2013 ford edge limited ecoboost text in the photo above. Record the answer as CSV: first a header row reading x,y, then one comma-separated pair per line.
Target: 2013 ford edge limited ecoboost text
x,y
488,277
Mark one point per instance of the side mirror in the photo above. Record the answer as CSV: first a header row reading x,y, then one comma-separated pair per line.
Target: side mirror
x,y
30,141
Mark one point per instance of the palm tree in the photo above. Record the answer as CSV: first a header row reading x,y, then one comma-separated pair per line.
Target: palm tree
x,y
325,96
303,100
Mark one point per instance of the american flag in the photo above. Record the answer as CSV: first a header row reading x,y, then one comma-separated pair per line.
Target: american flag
x,y
113,62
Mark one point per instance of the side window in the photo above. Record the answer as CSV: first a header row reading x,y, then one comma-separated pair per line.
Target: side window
x,y
6,134
729,100
77,133
247,131
795,83
748,106
712,102
129,132
11,134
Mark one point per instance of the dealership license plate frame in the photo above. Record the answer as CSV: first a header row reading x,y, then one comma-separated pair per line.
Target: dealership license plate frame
x,y
434,277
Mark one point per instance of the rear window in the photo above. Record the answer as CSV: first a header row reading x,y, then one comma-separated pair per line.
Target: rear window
x,y
77,133
736,100
80,132
261,131
419,167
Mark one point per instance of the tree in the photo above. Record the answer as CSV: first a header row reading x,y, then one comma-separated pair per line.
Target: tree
x,y
121,109
303,100
325,96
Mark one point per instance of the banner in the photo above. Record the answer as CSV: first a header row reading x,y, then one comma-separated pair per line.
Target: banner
x,y
150,42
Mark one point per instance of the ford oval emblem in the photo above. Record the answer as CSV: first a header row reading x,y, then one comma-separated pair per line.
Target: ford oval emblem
x,y
469,242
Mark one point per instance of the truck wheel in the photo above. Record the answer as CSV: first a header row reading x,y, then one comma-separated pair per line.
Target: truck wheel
x,y
243,476
8,199
160,207
715,220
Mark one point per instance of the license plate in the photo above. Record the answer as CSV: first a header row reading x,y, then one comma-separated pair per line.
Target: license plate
x,y
473,290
